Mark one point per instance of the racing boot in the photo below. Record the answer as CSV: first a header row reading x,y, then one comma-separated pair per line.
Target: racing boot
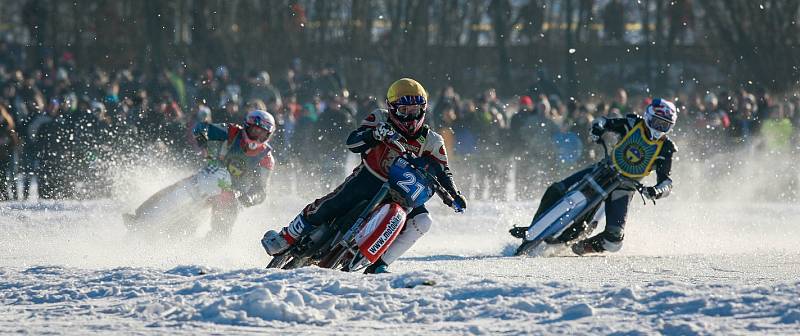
x,y
589,246
278,242
379,267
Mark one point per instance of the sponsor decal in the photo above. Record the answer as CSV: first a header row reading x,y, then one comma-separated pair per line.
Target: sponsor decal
x,y
394,223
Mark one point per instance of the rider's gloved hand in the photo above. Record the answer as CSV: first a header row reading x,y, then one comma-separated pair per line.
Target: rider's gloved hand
x,y
598,127
383,131
460,201
650,192
251,199
457,200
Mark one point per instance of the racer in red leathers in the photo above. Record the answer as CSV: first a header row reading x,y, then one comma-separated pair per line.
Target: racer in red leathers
x,y
407,101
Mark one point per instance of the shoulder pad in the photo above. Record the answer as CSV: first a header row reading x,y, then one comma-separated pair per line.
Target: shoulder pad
x,y
431,135
434,146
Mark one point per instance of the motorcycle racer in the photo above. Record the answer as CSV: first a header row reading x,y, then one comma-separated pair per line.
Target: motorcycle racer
x,y
643,154
406,100
245,152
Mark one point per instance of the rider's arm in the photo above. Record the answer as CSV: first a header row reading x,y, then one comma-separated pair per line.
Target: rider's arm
x,y
363,137
618,125
663,186
218,132
214,132
437,156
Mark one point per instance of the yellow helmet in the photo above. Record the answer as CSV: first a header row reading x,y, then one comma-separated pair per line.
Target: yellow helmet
x,y
407,101
406,87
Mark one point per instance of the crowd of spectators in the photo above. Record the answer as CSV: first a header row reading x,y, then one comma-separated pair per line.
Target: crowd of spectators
x,y
67,127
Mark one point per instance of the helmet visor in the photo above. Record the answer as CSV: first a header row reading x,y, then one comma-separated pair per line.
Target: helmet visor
x,y
258,134
660,124
409,112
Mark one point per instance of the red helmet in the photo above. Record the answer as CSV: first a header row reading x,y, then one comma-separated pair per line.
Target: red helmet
x,y
258,128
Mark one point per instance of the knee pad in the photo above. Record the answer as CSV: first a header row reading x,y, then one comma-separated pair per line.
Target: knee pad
x,y
420,224
412,231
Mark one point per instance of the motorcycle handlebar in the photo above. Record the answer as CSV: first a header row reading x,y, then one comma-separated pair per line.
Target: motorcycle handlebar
x,y
443,194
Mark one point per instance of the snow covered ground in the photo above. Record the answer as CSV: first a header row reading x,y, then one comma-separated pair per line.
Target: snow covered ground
x,y
686,268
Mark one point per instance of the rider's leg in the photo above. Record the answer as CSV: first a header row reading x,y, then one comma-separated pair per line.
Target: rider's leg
x,y
611,238
418,223
361,185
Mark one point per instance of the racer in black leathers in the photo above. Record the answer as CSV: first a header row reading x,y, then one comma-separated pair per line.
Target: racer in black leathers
x,y
616,205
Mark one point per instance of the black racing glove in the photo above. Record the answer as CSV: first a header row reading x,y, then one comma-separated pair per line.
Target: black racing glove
x,y
598,127
650,192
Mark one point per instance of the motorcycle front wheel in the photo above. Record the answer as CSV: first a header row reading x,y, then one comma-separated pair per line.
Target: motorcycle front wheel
x,y
527,247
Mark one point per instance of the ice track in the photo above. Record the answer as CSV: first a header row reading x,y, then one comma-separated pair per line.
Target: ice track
x,y
714,268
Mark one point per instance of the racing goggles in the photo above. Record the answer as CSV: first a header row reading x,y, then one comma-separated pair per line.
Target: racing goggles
x,y
660,124
409,112
258,134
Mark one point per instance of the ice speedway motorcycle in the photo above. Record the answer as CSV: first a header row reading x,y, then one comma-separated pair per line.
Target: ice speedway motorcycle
x,y
573,217
356,240
176,210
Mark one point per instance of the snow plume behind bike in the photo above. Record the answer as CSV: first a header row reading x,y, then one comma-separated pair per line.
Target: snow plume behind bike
x,y
722,203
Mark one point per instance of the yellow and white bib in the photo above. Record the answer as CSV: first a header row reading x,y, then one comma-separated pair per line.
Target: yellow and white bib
x,y
635,154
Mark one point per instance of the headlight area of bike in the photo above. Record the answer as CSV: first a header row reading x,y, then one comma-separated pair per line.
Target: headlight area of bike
x,y
410,185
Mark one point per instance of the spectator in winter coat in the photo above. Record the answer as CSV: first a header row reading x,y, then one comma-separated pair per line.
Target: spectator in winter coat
x,y
532,132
